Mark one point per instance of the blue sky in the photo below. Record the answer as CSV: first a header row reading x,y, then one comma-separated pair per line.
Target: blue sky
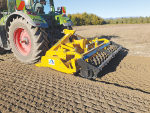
x,y
106,8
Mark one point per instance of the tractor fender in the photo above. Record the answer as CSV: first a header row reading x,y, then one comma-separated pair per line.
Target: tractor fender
x,y
27,17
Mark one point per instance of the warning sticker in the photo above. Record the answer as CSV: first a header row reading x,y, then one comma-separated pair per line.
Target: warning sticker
x,y
51,62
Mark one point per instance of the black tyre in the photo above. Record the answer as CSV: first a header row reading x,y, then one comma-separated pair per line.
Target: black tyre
x,y
28,43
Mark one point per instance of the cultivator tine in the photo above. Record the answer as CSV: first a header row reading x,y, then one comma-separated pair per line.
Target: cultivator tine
x,y
98,59
95,61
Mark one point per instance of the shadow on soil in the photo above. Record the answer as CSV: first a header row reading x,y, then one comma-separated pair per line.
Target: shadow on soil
x,y
123,86
108,37
5,52
111,67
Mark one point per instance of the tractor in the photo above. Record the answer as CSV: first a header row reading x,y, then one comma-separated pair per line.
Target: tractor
x,y
27,33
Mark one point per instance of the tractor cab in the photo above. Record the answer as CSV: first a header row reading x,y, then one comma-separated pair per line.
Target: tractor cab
x,y
46,5
21,5
57,18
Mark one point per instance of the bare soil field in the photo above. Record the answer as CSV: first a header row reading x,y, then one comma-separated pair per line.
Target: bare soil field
x,y
122,86
134,37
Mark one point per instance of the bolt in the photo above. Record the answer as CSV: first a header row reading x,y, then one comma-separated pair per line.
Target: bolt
x,y
25,40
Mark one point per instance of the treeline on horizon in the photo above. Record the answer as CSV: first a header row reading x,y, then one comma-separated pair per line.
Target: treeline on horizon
x,y
92,19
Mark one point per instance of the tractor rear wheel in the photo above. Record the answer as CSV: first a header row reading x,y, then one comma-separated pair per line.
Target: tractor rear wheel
x,y
28,43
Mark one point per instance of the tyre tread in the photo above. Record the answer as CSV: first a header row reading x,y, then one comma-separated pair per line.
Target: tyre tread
x,y
39,38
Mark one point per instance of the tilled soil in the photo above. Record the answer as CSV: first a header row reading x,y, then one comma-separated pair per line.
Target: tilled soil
x,y
132,72
122,86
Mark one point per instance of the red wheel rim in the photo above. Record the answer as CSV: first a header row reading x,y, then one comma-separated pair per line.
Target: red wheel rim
x,y
22,41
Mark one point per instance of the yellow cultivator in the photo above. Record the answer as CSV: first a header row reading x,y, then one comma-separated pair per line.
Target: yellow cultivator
x,y
73,53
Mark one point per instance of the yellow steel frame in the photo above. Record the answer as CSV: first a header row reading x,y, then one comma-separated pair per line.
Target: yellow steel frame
x,y
64,54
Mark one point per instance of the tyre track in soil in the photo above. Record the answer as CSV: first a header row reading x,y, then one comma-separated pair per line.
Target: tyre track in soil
x,y
26,88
